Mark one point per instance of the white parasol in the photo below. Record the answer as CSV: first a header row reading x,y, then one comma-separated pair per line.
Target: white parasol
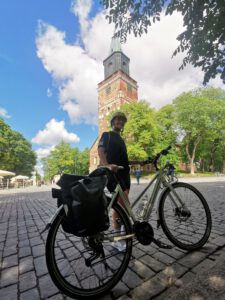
x,y
6,173
21,177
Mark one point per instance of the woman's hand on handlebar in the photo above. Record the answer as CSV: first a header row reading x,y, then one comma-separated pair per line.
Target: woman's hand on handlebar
x,y
114,168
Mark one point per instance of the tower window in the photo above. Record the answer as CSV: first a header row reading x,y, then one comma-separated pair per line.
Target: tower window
x,y
108,89
124,64
129,87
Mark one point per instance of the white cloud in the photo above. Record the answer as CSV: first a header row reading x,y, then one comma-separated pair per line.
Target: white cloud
x,y
75,72
4,113
157,73
82,8
78,69
44,152
49,93
54,133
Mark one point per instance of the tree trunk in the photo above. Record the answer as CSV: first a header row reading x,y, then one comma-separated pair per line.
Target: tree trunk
x,y
192,167
192,157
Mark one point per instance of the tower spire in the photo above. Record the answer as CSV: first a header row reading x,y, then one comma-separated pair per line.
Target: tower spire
x,y
116,59
115,45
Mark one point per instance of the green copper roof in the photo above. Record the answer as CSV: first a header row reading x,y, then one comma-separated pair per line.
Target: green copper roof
x,y
115,45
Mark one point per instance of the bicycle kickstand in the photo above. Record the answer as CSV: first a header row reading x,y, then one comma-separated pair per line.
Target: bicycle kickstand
x,y
161,244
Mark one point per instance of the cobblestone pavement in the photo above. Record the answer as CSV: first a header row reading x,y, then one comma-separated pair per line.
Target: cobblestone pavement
x,y
153,273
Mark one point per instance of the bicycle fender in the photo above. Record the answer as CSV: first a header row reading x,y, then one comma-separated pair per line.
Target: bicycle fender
x,y
51,220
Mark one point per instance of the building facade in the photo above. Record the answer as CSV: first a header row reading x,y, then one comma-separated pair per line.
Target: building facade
x,y
117,88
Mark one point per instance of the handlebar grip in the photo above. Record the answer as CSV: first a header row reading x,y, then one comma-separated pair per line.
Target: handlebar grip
x,y
166,150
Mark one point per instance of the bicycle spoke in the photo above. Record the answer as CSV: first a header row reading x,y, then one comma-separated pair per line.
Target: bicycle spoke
x,y
187,224
82,266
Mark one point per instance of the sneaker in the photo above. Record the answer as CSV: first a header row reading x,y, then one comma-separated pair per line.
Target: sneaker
x,y
119,245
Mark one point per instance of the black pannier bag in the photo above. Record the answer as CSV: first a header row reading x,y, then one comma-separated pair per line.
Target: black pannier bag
x,y
85,204
63,196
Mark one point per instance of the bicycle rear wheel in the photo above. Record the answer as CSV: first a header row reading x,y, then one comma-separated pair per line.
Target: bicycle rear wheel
x,y
69,259
189,226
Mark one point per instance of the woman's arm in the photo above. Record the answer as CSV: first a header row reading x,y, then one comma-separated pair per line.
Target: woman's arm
x,y
102,156
103,160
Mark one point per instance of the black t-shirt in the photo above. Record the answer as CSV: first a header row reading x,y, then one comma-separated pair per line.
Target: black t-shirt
x,y
115,149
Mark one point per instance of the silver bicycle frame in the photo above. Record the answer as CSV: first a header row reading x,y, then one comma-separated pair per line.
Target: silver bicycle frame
x,y
157,179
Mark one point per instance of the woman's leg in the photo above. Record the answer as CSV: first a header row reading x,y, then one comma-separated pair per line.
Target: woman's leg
x,y
116,224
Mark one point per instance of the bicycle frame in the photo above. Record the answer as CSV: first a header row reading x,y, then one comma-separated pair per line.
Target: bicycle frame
x,y
157,179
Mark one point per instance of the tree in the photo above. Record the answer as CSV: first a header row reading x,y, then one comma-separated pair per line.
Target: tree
x,y
140,132
24,158
16,152
65,159
165,117
200,120
5,133
203,39
83,162
168,134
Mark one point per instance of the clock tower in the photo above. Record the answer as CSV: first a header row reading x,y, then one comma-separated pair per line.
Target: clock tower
x,y
116,89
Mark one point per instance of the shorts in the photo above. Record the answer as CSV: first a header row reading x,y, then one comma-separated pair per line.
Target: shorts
x,y
122,177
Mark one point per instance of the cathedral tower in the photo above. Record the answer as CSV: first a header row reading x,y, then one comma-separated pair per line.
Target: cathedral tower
x,y
116,89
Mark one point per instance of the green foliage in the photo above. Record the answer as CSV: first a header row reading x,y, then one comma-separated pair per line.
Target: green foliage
x,y
201,123
147,132
195,120
16,152
65,159
167,127
140,131
203,39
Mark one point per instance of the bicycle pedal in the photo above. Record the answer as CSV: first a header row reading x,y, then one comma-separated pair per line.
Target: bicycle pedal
x,y
161,244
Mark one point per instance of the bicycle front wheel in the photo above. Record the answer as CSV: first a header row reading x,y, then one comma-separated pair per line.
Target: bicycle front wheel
x,y
185,216
75,265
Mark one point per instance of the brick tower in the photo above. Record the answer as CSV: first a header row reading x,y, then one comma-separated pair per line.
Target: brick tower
x,y
116,89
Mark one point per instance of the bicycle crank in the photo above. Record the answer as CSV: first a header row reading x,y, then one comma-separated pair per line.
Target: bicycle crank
x,y
145,235
143,232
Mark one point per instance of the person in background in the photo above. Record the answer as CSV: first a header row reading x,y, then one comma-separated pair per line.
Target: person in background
x,y
137,174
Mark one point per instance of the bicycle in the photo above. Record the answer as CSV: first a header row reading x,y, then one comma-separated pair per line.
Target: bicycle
x,y
89,267
169,171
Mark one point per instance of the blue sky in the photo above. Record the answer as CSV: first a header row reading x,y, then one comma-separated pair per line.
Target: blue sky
x,y
23,80
51,55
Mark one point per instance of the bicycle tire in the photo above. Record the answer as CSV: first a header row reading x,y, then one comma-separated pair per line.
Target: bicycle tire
x,y
80,292
177,235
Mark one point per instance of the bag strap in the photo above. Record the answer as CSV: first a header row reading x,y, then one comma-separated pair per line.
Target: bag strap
x,y
107,148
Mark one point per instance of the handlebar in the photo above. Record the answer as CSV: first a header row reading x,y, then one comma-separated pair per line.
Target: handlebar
x,y
154,160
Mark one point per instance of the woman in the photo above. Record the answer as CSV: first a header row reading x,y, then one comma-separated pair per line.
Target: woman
x,y
112,152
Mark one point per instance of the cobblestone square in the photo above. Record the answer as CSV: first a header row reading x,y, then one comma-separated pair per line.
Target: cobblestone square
x,y
153,273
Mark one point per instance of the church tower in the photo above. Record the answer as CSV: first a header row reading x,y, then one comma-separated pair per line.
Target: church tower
x,y
116,89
